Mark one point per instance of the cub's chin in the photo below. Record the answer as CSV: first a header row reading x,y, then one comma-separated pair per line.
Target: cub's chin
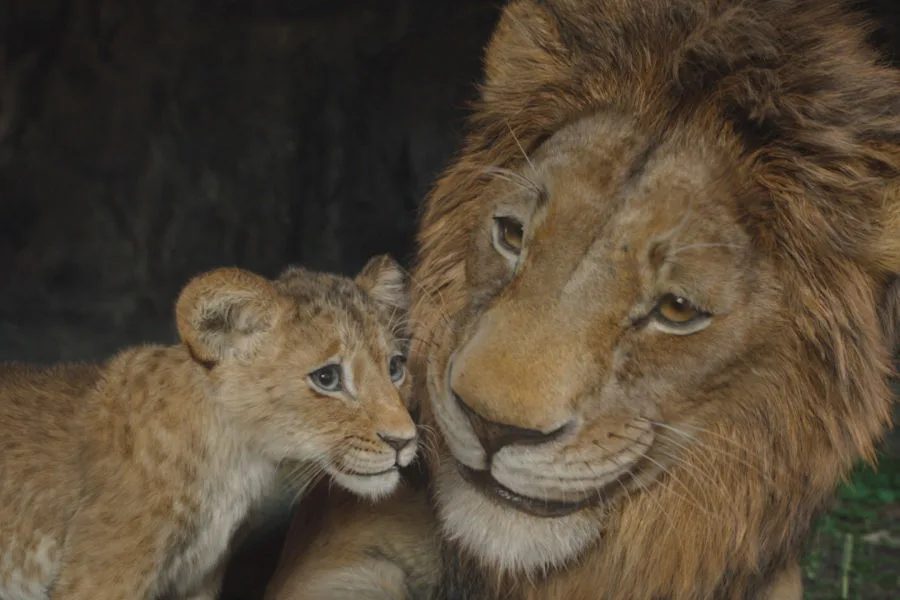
x,y
368,485
510,540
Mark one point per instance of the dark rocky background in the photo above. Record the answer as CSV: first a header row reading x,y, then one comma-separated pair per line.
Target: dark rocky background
x,y
143,141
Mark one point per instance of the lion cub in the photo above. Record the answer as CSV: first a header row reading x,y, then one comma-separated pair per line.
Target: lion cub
x,y
126,480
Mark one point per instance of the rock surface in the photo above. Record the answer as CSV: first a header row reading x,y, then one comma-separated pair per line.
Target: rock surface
x,y
143,142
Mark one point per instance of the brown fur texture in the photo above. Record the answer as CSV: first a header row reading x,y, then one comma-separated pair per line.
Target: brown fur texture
x,y
128,479
740,156
351,549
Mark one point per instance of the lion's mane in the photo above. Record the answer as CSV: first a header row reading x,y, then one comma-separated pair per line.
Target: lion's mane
x,y
819,122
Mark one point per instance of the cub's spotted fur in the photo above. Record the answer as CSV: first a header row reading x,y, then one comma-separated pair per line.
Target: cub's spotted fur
x,y
128,479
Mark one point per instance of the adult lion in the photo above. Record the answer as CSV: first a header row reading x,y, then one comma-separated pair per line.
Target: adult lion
x,y
655,309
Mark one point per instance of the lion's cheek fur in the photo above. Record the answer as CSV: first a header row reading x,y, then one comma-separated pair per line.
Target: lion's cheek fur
x,y
756,496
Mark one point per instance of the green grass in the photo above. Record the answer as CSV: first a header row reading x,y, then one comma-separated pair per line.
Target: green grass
x,y
855,553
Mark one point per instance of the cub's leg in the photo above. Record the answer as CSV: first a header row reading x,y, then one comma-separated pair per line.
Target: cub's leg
x,y
342,548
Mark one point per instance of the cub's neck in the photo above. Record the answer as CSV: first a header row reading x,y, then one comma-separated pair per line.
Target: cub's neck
x,y
161,417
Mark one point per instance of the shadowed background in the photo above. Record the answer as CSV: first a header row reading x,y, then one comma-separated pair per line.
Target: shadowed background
x,y
142,142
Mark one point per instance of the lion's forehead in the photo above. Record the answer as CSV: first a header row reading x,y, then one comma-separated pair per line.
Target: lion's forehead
x,y
626,210
633,179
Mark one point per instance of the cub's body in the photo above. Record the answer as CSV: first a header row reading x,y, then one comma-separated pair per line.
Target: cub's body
x,y
40,427
128,480
133,449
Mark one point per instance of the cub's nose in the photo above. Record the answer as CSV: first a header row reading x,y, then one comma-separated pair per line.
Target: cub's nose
x,y
494,436
404,447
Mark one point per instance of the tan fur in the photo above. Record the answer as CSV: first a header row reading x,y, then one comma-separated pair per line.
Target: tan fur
x,y
385,551
742,154
128,479
787,585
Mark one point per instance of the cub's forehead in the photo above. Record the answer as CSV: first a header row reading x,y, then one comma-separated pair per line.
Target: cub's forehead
x,y
328,300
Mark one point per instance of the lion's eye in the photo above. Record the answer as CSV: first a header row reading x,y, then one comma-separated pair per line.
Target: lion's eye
x,y
397,368
676,309
676,314
327,379
508,235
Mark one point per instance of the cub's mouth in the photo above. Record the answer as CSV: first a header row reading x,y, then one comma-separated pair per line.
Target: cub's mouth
x,y
354,473
485,483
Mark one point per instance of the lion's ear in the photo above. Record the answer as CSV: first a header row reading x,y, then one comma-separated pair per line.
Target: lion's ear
x,y
888,252
890,312
385,281
526,49
225,313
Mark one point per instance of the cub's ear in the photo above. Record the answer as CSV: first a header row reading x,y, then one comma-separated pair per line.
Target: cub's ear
x,y
225,313
385,281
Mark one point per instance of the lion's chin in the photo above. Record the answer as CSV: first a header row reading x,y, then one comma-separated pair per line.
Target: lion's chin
x,y
504,536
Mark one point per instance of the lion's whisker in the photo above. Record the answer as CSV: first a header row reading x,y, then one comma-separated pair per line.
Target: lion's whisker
x,y
713,449
514,178
673,479
658,464
692,471
647,493
519,144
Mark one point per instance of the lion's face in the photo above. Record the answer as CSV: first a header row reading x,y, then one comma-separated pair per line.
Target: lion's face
x,y
653,311
610,288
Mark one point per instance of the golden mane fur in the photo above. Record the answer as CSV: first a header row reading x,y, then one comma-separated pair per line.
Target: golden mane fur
x,y
775,123
816,122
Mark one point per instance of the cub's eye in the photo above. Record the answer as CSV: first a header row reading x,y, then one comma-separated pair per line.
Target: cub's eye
x,y
508,234
397,368
676,314
327,379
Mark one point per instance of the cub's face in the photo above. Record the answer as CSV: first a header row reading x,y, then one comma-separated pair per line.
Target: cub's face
x,y
613,305
323,377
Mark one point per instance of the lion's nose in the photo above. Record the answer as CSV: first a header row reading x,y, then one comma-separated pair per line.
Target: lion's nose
x,y
494,436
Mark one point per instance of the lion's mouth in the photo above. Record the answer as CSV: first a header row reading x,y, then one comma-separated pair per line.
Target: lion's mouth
x,y
484,482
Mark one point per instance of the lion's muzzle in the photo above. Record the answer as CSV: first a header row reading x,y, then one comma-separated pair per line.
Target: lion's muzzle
x,y
494,436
